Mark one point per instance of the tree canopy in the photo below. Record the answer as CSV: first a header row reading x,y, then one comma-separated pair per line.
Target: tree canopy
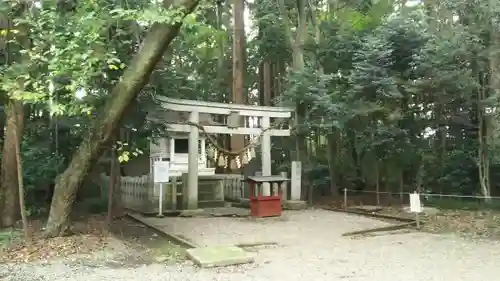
x,y
390,95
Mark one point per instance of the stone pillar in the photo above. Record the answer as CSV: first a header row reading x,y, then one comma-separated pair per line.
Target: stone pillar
x,y
294,202
171,150
192,181
284,187
296,180
266,154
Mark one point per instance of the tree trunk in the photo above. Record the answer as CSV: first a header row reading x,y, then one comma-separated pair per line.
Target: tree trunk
x,y
296,46
332,158
483,162
267,82
13,110
222,78
19,121
238,92
132,81
4,47
114,174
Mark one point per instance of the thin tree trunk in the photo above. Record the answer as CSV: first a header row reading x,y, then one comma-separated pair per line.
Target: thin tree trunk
x,y
483,163
113,177
132,81
19,122
377,181
332,156
401,186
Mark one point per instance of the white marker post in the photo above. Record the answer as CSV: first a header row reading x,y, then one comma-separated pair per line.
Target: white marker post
x,y
161,176
415,206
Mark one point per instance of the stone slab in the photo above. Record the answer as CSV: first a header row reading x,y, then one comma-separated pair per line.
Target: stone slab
x,y
217,256
294,205
190,212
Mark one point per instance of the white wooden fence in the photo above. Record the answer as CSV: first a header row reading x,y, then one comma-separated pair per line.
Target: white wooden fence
x,y
138,193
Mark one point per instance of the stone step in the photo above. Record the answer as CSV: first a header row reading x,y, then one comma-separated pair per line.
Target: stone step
x,y
217,256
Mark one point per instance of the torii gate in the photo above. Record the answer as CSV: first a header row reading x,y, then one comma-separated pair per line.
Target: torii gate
x,y
195,109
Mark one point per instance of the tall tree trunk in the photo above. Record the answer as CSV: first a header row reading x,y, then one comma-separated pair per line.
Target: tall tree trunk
x,y
5,24
132,81
238,92
298,64
19,121
333,140
483,163
14,111
267,83
222,78
483,119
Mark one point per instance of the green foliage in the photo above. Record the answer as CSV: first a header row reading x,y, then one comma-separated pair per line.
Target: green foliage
x,y
391,81
386,89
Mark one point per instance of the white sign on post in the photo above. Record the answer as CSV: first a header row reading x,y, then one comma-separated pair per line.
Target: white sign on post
x,y
160,171
160,176
415,206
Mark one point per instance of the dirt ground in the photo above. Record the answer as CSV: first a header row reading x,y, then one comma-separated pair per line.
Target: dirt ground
x,y
134,243
310,246
479,223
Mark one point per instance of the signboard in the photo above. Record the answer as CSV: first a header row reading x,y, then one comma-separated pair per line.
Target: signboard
x,y
415,206
161,171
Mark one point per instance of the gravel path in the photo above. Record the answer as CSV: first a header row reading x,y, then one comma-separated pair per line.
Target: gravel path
x,y
311,249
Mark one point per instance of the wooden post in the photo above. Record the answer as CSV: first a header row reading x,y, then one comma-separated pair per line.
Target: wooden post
x,y
174,193
345,198
184,190
266,154
192,182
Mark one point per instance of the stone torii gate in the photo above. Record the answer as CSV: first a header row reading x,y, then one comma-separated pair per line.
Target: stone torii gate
x,y
200,114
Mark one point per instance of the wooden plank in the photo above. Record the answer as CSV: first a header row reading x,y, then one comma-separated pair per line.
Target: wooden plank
x,y
378,216
378,229
224,108
173,194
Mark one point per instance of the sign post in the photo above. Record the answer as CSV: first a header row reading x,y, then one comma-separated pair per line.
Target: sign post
x,y
160,176
416,206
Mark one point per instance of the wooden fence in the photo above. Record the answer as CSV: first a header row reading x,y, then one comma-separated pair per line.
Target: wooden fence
x,y
233,187
142,195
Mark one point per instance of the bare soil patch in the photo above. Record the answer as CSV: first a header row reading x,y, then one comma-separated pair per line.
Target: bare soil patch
x,y
481,223
125,243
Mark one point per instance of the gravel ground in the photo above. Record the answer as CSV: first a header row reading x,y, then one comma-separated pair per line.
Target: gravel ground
x,y
311,249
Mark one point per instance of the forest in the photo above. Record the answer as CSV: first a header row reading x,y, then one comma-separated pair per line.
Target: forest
x,y
389,95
